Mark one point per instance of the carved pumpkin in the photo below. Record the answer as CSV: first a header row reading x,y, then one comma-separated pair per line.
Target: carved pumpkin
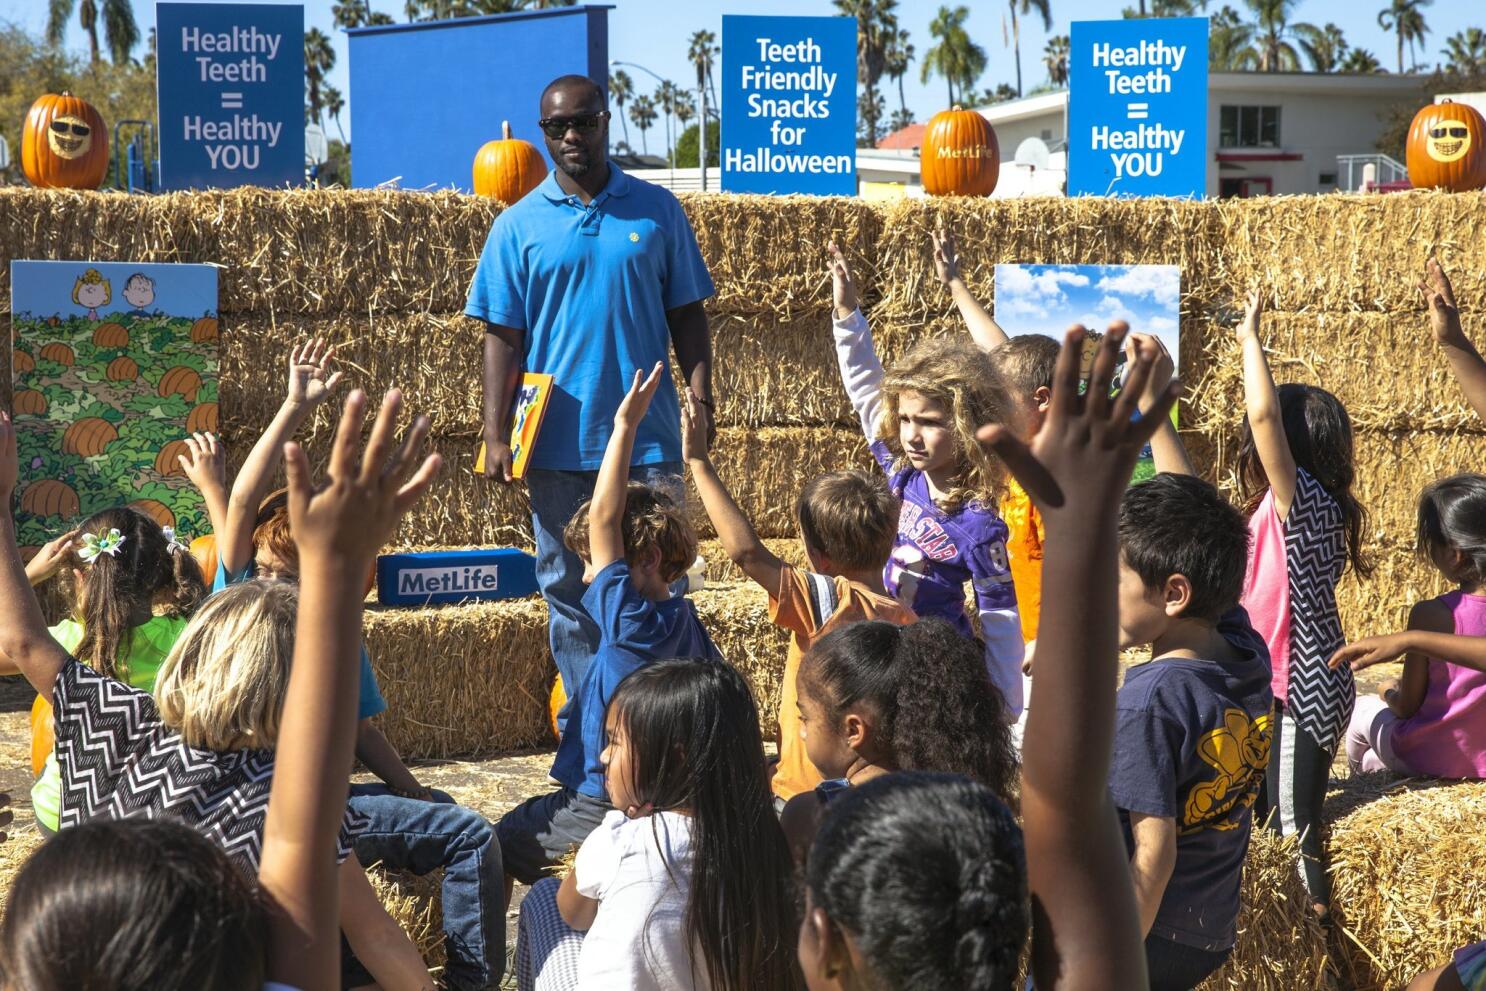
x,y
157,511
89,436
508,169
202,418
167,462
204,550
21,362
29,401
204,329
180,381
64,144
959,155
111,335
123,369
1447,147
58,352
50,497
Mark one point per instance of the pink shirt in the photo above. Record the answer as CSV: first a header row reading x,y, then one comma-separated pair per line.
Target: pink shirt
x,y
1446,738
1266,591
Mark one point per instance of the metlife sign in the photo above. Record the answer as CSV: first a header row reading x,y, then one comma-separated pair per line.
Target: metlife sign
x,y
789,105
231,88
1137,115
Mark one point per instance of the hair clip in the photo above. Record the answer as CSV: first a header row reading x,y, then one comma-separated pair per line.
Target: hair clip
x,y
171,543
93,545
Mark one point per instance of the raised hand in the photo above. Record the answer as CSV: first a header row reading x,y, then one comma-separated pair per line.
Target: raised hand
x,y
694,425
1252,311
355,510
54,555
1439,299
1162,366
310,377
843,290
635,403
205,460
946,256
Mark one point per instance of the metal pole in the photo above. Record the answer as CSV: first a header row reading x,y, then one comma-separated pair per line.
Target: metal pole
x,y
702,129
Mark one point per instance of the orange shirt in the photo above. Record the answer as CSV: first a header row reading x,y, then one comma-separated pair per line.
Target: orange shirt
x,y
810,605
1024,544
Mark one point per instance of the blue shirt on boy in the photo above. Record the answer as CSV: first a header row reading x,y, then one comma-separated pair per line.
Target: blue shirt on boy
x,y
633,631
1191,744
369,701
590,285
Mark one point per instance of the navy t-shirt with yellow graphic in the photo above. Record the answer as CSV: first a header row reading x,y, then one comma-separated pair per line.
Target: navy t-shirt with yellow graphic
x,y
1191,744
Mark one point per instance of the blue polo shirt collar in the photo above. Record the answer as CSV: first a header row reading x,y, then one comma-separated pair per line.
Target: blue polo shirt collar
x,y
618,185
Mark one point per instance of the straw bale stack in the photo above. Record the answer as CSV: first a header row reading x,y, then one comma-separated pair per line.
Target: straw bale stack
x,y
415,903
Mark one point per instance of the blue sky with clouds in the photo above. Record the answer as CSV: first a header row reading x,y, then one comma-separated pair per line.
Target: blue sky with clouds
x,y
1047,299
654,33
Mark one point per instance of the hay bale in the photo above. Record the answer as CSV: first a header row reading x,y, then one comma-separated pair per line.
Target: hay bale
x,y
1281,946
722,571
737,620
416,903
1382,603
1401,859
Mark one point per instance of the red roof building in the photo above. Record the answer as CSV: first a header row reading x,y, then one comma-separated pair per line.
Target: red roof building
x,y
904,139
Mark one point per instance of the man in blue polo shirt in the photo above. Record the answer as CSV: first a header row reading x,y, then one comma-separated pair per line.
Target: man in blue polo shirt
x,y
587,278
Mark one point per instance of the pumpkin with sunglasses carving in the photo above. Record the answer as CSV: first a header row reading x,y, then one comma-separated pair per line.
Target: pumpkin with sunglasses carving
x,y
64,144
508,169
1447,147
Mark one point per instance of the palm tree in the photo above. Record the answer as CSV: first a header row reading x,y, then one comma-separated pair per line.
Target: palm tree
x,y
1466,52
349,13
895,67
1055,57
1406,20
319,59
119,28
877,25
334,104
1326,48
1166,8
1272,33
621,91
702,52
958,59
1043,7
686,109
1228,37
1361,61
642,112
666,97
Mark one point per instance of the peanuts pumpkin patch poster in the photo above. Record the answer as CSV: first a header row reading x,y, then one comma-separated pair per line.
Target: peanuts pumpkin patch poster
x,y
115,363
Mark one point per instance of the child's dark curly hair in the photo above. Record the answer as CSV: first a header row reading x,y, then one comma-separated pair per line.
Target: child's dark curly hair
x,y
927,686
652,519
928,874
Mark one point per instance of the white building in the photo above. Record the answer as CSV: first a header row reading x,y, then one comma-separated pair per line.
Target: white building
x,y
1267,132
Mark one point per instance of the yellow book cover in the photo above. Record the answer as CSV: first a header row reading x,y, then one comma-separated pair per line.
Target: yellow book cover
x,y
532,396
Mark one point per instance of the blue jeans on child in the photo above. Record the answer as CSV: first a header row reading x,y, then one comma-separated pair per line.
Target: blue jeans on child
x,y
555,497
406,834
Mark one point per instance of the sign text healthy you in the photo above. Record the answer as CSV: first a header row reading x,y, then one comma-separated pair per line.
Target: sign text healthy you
x,y
239,55
1139,149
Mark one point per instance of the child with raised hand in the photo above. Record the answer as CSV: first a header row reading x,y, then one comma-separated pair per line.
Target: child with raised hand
x,y
634,541
1192,737
133,903
1444,320
920,420
687,883
848,520
875,697
133,589
1295,467
984,329
1431,721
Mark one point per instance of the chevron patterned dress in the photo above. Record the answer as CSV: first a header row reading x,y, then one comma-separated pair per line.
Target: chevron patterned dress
x,y
1319,699
119,761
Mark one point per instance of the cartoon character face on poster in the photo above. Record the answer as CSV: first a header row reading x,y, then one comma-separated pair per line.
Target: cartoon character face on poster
x,y
92,290
139,292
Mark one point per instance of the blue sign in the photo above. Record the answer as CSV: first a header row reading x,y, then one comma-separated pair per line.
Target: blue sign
x,y
789,105
422,578
1137,116
231,87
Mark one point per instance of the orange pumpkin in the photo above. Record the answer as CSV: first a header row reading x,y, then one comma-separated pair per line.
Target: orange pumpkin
x,y
64,144
204,329
202,418
89,436
959,155
21,362
50,497
111,335
204,550
122,369
43,734
180,381
556,699
1447,147
157,511
58,352
29,401
508,169
167,462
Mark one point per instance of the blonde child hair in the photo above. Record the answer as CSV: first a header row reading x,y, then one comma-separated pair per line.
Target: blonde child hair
x,y
90,278
960,377
652,520
222,686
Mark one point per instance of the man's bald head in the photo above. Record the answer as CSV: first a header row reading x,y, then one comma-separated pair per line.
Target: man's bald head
x,y
572,94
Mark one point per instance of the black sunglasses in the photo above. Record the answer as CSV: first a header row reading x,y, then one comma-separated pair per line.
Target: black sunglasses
x,y
556,127
1458,131
78,130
